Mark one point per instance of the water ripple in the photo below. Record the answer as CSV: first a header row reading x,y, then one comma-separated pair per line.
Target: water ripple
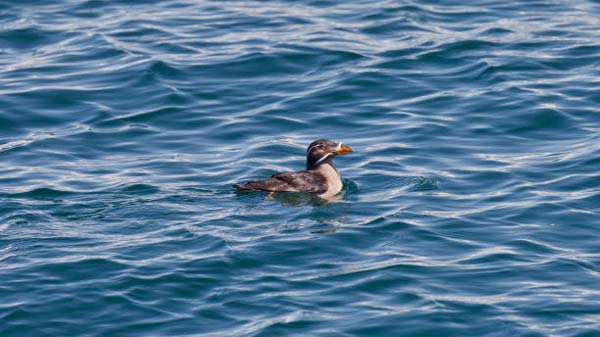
x,y
470,202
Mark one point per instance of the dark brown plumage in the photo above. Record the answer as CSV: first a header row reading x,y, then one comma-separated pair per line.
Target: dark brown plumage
x,y
303,181
320,176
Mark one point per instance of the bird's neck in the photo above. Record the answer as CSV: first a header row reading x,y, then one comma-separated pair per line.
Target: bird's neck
x,y
313,162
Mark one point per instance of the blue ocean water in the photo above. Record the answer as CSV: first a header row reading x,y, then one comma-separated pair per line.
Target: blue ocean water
x,y
470,205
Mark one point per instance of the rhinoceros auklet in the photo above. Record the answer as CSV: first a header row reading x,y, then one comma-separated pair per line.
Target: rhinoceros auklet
x,y
320,176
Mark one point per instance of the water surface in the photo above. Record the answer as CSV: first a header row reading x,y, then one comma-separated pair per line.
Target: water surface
x,y
470,205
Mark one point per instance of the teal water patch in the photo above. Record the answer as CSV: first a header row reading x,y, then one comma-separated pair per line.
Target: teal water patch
x,y
469,205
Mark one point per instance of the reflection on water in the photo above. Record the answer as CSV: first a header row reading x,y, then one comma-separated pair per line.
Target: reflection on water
x,y
303,199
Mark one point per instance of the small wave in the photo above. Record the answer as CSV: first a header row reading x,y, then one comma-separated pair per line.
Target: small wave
x,y
144,189
43,193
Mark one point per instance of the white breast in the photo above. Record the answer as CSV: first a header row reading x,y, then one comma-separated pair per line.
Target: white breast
x,y
334,181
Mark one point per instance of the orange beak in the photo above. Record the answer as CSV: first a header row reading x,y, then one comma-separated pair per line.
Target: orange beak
x,y
343,150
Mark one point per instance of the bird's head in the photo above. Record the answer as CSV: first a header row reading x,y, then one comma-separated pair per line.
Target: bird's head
x,y
322,151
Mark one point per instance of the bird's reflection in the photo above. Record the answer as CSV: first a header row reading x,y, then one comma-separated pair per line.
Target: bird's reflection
x,y
303,199
325,212
297,199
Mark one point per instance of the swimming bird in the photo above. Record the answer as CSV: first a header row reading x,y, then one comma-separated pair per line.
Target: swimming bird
x,y
320,176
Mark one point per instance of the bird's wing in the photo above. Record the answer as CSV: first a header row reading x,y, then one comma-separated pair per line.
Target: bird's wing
x,y
303,181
